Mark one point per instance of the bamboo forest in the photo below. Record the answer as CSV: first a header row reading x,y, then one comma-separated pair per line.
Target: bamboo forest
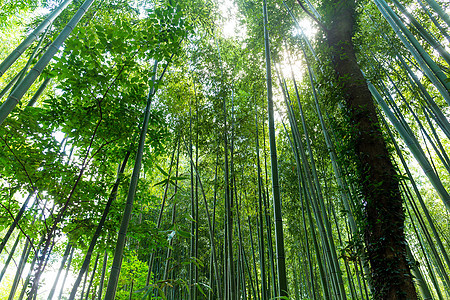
x,y
224,149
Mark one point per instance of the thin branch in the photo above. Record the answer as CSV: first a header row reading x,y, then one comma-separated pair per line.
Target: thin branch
x,y
321,25
21,163
20,227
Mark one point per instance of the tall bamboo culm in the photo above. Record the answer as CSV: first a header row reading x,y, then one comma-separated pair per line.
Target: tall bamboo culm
x,y
279,238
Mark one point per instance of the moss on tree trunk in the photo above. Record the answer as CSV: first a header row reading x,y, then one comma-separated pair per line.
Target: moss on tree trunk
x,y
384,235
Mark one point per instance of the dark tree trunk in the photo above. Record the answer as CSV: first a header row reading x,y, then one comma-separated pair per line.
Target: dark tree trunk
x,y
384,236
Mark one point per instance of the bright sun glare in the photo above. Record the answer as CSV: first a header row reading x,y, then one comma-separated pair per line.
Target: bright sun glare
x,y
228,11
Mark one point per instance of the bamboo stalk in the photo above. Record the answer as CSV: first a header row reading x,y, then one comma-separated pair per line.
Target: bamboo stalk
x,y
25,84
92,244
16,220
279,238
115,268
16,53
430,68
415,149
440,11
63,262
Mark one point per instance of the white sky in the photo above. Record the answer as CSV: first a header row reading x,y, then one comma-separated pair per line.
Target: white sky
x,y
231,26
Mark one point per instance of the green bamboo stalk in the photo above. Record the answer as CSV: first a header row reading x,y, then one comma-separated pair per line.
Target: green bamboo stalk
x,y
208,216
433,19
25,84
243,277
435,257
260,214
102,277
42,265
10,84
94,269
424,209
169,248
217,280
335,262
329,144
440,152
272,282
359,266
312,198
33,262
313,9
161,210
90,250
130,294
333,252
240,265
296,287
423,32
229,271
239,270
429,155
435,135
279,239
16,220
226,275
426,256
39,92
441,120
27,279
412,144
306,270
430,68
345,195
228,289
84,285
440,11
437,146
30,59
63,262
10,256
332,211
299,28
16,53
115,268
174,211
437,264
306,202
232,198
255,294
254,258
305,196
192,266
23,258
196,194
316,193
351,283
69,262
424,290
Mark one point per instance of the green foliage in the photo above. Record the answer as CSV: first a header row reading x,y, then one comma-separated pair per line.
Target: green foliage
x,y
68,145
133,272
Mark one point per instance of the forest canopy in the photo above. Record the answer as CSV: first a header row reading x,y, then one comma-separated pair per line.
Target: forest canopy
x,y
203,149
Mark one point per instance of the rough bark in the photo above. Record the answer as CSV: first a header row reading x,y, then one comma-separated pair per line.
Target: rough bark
x,y
384,236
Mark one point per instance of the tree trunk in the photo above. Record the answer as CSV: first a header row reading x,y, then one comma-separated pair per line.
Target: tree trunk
x,y
384,234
